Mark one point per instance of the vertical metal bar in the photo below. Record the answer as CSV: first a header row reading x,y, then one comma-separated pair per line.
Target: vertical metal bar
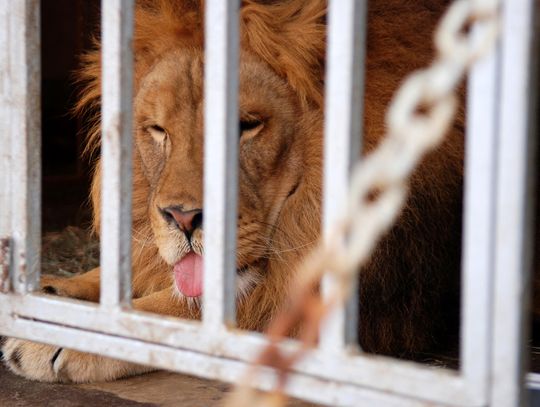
x,y
343,112
220,161
514,205
116,147
478,225
5,146
21,103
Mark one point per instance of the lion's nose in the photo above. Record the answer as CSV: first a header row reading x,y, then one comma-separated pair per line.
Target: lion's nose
x,y
186,221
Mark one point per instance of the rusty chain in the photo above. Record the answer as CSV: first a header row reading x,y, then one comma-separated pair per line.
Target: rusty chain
x,y
417,120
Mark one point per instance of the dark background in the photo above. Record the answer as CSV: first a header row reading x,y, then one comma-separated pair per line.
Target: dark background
x,y
67,28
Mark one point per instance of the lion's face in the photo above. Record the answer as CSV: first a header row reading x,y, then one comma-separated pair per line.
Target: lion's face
x,y
169,138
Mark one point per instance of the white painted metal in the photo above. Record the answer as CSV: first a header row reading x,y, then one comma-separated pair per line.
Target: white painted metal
x,y
5,133
479,215
230,370
343,118
116,147
377,373
5,145
533,381
514,205
340,377
221,162
21,103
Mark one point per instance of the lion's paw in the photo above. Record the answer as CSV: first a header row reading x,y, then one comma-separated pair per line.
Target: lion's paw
x,y
68,287
53,364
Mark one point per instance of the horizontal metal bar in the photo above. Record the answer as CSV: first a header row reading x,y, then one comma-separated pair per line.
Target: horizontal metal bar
x,y
116,147
233,371
378,373
533,381
343,112
220,163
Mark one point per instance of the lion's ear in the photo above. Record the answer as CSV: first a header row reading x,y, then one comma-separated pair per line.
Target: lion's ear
x,y
290,37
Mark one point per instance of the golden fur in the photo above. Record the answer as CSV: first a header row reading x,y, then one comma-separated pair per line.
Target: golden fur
x,y
408,291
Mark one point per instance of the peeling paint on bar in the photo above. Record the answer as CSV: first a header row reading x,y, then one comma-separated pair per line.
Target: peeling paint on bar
x,y
379,373
327,391
22,99
117,29
5,261
5,139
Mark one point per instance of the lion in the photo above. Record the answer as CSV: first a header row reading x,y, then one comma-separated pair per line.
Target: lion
x,y
409,291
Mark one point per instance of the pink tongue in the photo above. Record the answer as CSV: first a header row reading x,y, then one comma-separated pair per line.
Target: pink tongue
x,y
188,275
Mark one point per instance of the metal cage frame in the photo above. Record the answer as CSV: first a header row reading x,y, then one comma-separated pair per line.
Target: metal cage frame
x,y
497,219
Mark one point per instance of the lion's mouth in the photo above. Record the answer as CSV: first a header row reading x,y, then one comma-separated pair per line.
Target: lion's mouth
x,y
188,275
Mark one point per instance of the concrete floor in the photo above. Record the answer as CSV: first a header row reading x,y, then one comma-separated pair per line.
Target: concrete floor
x,y
162,389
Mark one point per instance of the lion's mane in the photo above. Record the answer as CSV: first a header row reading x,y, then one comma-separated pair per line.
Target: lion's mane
x,y
408,299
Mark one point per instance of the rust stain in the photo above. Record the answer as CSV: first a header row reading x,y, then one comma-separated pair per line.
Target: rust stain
x,y
4,264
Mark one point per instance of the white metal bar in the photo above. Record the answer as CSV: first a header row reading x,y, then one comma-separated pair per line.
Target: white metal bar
x,y
116,147
342,129
5,132
478,227
514,205
328,392
340,380
533,381
377,373
220,162
22,105
5,147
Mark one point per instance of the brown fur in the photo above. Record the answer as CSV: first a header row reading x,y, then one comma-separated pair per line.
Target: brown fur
x,y
408,290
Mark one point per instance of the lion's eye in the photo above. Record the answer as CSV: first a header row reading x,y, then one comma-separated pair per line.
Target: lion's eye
x,y
158,133
157,128
250,127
